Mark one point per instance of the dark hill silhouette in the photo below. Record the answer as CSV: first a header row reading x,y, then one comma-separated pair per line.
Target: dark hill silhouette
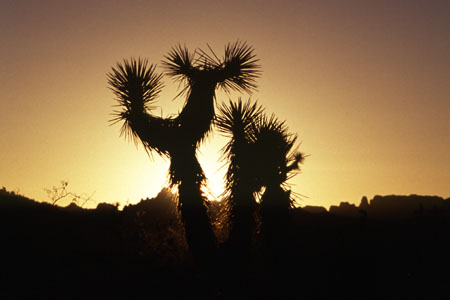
x,y
315,209
391,207
69,252
404,206
53,251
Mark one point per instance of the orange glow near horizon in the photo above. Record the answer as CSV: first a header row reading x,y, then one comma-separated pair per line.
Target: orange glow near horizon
x,y
364,85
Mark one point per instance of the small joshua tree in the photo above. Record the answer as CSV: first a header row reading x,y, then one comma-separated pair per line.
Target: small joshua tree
x,y
261,157
236,122
279,161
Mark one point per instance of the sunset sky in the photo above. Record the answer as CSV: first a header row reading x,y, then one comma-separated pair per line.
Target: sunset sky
x,y
364,84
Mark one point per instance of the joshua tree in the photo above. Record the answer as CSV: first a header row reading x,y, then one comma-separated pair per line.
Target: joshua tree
x,y
236,122
136,86
274,148
261,156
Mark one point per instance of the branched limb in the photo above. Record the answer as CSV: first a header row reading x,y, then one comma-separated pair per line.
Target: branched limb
x,y
56,194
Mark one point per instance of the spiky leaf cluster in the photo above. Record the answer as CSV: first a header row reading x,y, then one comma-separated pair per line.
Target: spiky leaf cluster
x,y
260,147
136,86
236,121
180,65
237,70
276,152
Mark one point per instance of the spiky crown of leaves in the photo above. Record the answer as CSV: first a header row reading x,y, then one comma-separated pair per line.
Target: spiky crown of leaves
x,y
263,141
237,70
136,84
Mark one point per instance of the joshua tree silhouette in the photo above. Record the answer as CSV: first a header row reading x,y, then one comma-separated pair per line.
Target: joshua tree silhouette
x,y
236,122
260,154
275,148
136,86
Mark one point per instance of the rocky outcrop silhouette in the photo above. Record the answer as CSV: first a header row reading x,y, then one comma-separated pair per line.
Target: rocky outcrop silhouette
x,y
344,209
390,207
396,207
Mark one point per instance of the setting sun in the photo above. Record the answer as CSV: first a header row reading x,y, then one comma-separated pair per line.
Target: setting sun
x,y
215,187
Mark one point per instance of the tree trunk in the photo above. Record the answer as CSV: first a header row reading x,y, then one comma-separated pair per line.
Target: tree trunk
x,y
199,234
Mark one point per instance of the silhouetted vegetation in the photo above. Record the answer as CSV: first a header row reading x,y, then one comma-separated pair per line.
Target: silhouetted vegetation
x,y
60,193
235,121
141,251
261,157
136,87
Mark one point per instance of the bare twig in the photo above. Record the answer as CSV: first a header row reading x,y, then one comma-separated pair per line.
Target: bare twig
x,y
57,193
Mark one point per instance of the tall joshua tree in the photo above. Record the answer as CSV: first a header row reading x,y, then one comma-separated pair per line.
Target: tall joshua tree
x,y
137,85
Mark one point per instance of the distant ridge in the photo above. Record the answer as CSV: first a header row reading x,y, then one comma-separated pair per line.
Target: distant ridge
x,y
390,206
11,199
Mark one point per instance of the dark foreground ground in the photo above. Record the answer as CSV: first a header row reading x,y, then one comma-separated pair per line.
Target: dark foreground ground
x,y
394,247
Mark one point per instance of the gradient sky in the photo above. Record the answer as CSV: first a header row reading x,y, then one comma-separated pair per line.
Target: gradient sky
x,y
364,84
